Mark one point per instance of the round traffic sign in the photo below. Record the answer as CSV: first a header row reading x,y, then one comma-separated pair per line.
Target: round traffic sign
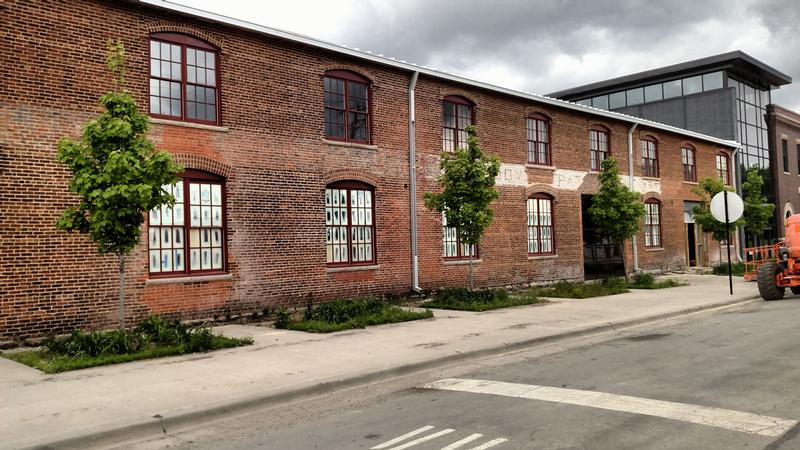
x,y
735,206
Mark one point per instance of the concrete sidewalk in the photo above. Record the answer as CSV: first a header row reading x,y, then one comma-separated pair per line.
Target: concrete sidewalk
x,y
78,406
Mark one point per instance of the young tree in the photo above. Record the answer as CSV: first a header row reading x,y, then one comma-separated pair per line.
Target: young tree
x,y
116,173
706,189
616,211
757,211
467,182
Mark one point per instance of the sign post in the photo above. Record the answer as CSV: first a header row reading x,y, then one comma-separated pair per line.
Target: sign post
x,y
727,207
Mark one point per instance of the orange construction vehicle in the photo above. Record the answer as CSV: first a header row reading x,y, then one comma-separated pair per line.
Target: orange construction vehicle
x,y
777,267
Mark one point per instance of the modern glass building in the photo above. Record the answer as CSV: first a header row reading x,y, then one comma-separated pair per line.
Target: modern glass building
x,y
724,95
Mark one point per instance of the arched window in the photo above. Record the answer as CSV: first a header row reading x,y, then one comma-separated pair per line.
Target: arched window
x,y
189,238
649,157
599,146
184,78
347,106
457,115
539,139
689,165
350,223
652,223
723,171
541,238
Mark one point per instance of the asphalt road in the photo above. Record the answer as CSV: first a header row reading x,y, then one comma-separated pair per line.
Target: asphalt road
x,y
722,380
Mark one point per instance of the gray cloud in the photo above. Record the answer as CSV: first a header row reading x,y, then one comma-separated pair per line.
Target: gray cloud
x,y
543,46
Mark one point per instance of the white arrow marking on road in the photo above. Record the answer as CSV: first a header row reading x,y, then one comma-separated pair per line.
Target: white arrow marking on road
x,y
715,417
403,437
491,443
462,442
423,439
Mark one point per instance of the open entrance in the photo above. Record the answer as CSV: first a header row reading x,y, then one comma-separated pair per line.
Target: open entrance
x,y
694,241
601,258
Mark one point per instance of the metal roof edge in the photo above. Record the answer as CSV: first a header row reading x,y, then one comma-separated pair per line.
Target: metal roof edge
x,y
379,59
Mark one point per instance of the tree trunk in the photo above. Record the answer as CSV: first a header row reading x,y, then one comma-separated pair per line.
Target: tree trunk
x,y
470,269
121,257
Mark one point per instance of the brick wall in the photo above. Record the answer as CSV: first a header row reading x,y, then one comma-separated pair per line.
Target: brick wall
x,y
785,125
271,149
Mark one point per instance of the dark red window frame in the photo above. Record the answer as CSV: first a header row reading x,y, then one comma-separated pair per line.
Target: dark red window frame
x,y
689,161
723,174
195,176
348,77
653,231
460,253
540,123
649,148
538,228
596,154
351,186
456,101
185,41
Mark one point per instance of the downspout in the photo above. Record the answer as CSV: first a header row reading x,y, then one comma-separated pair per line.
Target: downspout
x,y
634,244
412,183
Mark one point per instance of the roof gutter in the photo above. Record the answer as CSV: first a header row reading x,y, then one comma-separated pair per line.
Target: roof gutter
x,y
392,62
412,181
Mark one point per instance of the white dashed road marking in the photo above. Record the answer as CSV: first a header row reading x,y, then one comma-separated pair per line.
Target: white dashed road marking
x,y
702,415
453,446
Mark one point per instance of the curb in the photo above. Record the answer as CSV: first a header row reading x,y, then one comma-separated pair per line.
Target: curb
x,y
154,427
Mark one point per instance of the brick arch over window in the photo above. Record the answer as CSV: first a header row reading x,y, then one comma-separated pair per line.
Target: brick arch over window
x,y
204,163
540,188
368,75
334,176
169,27
652,195
649,136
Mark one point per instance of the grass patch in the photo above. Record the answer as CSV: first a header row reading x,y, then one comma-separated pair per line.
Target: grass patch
x,y
483,300
342,315
152,338
737,269
567,289
647,281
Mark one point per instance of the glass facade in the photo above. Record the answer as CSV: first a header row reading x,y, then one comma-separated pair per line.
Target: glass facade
x,y
751,106
657,91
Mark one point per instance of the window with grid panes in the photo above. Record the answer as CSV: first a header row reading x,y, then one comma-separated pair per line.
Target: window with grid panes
x,y
189,237
457,116
689,166
453,248
346,106
652,223
538,140
599,148
540,225
722,168
349,224
183,78
649,158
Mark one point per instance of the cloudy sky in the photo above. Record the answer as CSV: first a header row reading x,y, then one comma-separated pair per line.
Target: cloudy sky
x,y
543,46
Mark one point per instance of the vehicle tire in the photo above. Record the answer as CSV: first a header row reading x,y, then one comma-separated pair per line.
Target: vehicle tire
x,y
766,281
795,290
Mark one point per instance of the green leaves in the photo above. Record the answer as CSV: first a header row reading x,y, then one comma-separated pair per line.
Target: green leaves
x,y
616,210
706,189
757,211
468,189
117,173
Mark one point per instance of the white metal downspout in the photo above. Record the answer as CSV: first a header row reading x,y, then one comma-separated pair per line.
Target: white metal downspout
x,y
634,244
412,183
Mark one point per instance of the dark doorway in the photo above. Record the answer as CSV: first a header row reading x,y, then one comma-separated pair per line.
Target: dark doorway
x,y
691,239
601,259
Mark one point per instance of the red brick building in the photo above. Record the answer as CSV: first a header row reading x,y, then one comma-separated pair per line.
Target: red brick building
x,y
297,156
784,126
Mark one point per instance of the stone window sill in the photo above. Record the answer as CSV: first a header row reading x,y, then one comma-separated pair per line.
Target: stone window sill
x,y
693,183
654,249
461,262
539,166
178,123
351,268
190,279
651,178
537,257
350,144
